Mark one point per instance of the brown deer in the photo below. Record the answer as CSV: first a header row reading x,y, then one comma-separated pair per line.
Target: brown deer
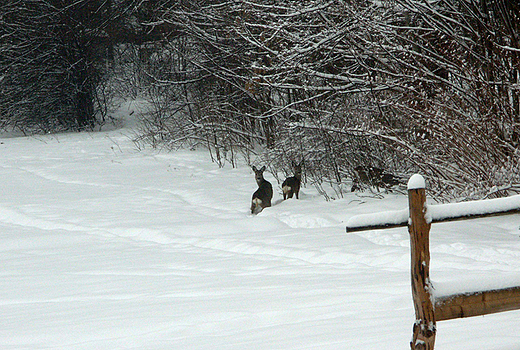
x,y
291,185
373,176
263,195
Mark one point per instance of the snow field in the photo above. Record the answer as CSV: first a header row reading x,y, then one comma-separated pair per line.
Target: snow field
x,y
105,247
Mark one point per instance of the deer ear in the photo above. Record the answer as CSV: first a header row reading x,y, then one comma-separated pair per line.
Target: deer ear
x,y
254,168
263,168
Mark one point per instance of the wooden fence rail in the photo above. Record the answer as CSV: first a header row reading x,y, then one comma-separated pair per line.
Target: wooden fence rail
x,y
418,218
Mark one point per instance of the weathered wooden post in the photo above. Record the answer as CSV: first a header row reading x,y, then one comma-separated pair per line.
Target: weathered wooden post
x,y
424,328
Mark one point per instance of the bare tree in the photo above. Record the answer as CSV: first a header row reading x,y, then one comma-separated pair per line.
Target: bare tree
x,y
53,55
456,92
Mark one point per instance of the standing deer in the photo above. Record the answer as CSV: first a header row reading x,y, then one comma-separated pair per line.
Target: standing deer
x,y
291,185
263,195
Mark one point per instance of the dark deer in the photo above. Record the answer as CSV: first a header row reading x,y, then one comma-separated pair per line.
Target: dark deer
x,y
373,176
291,185
263,195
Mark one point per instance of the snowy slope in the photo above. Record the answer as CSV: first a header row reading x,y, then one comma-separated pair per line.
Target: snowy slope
x,y
106,247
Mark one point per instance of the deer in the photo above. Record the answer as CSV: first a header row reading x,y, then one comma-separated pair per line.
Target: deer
x,y
373,176
291,185
263,195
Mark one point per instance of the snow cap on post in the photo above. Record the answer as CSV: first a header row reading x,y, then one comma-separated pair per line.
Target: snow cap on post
x,y
416,182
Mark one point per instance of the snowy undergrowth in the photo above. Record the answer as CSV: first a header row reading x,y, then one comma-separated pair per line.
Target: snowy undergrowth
x,y
106,247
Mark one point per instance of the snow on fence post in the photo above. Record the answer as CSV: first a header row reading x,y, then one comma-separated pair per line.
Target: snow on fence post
x,y
424,328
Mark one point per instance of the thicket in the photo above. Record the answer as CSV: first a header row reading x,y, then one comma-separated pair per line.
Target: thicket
x,y
57,61
398,85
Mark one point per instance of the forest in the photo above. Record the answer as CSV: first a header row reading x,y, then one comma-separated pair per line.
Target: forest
x,y
359,90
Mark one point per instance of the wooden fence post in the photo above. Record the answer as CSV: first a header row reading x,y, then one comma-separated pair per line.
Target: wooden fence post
x,y
424,328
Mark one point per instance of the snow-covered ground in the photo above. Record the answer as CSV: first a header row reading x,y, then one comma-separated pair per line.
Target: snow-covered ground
x,y
106,247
